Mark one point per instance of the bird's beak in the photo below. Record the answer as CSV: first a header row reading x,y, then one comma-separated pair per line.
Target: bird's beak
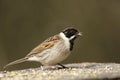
x,y
79,34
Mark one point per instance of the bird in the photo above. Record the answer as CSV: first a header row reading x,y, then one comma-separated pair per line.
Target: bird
x,y
53,50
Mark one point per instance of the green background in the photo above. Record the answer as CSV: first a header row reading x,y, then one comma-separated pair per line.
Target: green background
x,y
26,23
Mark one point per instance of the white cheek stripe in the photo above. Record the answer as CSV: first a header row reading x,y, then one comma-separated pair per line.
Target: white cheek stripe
x,y
72,37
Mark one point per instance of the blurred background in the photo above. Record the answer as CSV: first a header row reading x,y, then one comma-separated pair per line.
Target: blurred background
x,y
26,23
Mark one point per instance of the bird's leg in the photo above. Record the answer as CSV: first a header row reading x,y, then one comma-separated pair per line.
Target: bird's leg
x,y
41,67
62,65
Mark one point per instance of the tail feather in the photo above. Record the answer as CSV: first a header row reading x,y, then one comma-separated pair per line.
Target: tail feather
x,y
15,62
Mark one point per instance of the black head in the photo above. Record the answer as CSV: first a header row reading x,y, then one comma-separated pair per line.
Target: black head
x,y
71,33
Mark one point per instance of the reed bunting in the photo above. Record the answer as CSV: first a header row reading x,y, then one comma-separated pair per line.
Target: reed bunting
x,y
53,50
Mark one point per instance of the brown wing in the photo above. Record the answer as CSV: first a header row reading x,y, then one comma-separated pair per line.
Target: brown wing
x,y
45,45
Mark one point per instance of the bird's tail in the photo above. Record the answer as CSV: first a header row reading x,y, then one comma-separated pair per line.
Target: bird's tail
x,y
15,62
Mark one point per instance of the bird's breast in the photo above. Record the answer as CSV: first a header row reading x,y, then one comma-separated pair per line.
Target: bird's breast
x,y
59,52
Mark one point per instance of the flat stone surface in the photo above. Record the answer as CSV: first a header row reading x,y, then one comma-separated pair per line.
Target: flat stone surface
x,y
75,71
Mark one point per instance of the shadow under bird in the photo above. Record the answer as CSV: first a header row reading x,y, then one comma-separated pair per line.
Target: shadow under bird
x,y
53,50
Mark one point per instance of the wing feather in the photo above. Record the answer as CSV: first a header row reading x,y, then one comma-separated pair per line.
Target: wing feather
x,y
44,45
